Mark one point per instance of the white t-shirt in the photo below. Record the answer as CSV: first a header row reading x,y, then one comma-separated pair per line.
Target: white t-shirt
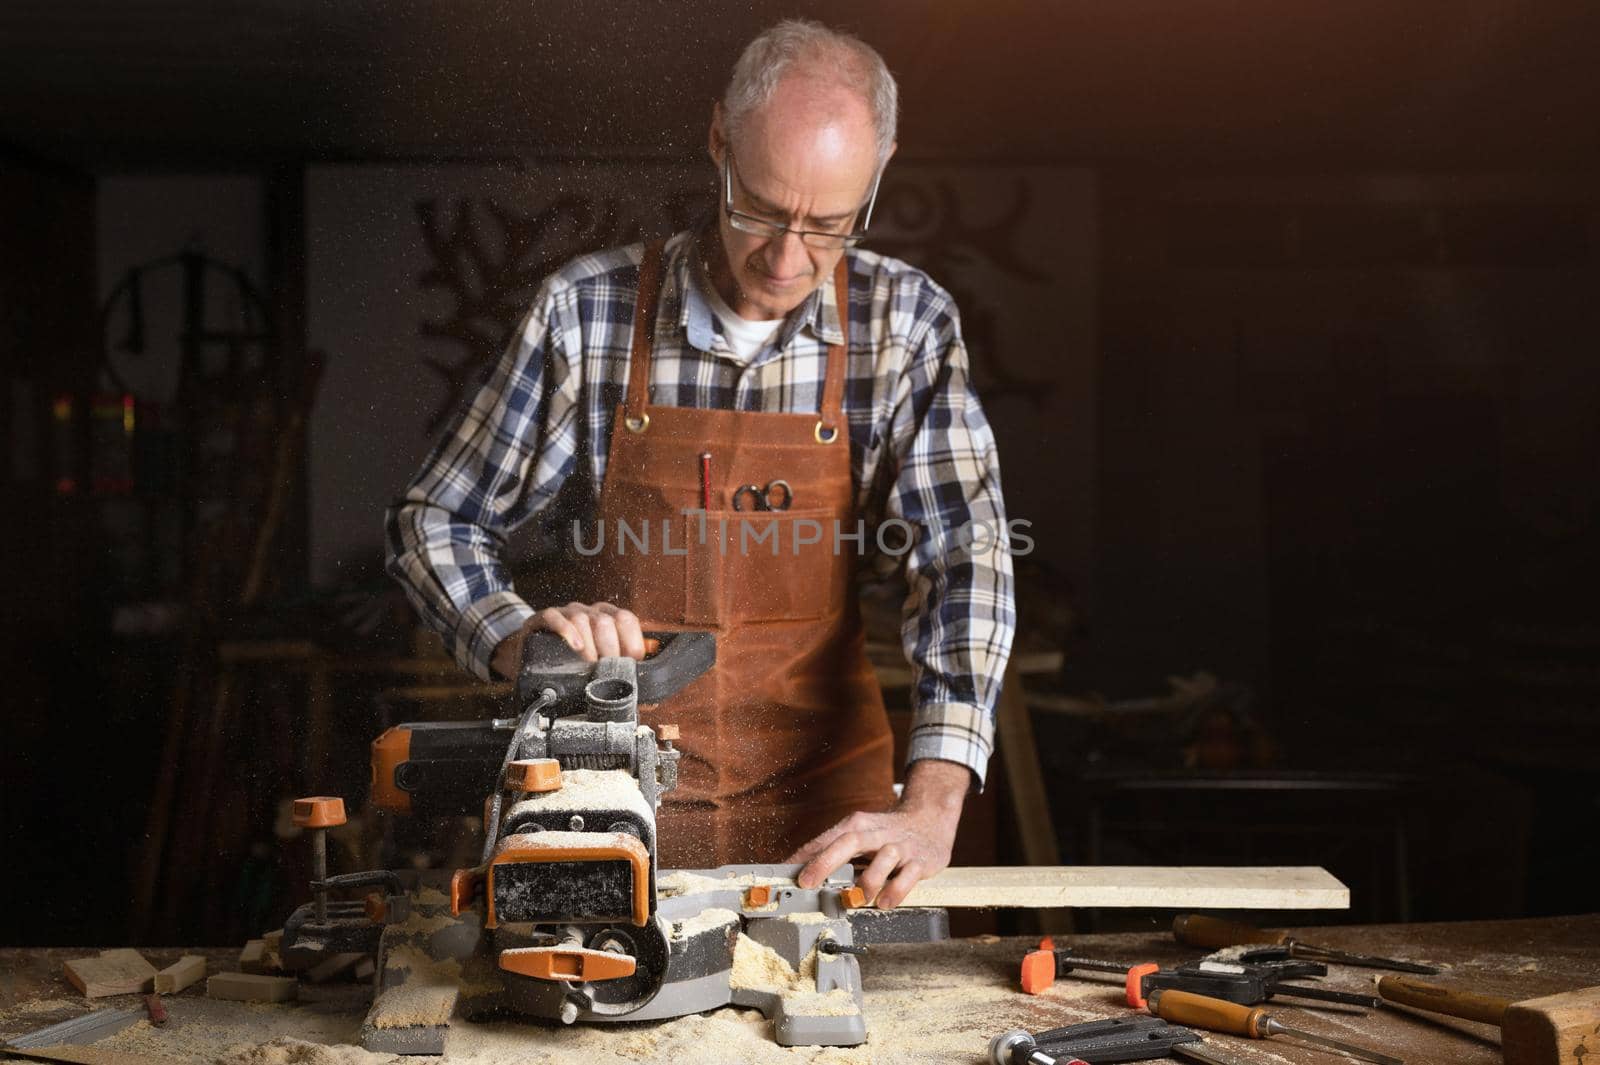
x,y
747,339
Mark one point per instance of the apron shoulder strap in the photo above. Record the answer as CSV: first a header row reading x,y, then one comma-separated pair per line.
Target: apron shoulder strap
x,y
644,328
644,334
832,408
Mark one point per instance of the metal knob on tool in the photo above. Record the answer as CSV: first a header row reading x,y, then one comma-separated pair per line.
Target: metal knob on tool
x,y
1017,1047
318,814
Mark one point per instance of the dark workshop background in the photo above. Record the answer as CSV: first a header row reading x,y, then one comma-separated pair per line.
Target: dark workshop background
x,y
1285,316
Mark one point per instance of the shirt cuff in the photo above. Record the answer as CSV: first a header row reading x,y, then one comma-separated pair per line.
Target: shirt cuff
x,y
481,628
953,732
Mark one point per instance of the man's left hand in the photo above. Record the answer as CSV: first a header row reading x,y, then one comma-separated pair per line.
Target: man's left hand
x,y
907,843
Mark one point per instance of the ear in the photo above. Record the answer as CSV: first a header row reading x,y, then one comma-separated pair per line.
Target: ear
x,y
717,138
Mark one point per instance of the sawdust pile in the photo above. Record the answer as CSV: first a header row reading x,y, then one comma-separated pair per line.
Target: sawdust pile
x,y
924,1003
760,968
286,1050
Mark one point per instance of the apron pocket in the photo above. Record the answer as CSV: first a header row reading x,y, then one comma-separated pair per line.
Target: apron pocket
x,y
772,566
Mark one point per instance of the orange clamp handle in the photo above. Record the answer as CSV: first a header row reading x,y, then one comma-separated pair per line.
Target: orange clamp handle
x,y
1038,971
319,811
1134,985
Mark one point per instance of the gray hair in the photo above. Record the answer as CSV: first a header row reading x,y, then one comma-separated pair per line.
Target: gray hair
x,y
811,46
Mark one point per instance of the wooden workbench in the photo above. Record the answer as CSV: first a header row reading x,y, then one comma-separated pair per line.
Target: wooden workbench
x,y
931,1002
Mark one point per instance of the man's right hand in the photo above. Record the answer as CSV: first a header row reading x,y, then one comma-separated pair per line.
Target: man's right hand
x,y
594,630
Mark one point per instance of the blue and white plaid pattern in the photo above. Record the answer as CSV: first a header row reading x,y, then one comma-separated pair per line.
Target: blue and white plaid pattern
x,y
920,449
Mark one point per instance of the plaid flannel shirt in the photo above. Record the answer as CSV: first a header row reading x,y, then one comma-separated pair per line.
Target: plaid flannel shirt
x,y
920,448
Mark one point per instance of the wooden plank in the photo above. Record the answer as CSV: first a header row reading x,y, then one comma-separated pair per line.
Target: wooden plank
x,y
111,972
187,970
1176,887
252,987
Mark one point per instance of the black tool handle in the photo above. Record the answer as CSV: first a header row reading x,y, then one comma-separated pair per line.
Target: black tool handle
x,y
548,662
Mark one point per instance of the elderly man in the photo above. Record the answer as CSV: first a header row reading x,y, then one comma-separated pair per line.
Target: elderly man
x,y
760,369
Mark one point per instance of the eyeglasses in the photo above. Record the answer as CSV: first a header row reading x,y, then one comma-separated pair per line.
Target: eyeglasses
x,y
757,226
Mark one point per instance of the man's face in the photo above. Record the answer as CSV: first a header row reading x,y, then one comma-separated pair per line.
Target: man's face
x,y
807,160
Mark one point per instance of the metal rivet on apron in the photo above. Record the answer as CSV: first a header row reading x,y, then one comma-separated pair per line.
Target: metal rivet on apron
x,y
641,423
825,434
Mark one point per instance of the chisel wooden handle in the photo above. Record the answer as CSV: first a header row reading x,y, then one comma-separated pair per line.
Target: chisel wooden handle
x,y
1197,930
1467,1005
1212,1014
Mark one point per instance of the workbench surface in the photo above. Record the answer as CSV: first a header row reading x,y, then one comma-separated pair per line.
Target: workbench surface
x,y
926,1002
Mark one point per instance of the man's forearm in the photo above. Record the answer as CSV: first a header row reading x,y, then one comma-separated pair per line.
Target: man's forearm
x,y
936,787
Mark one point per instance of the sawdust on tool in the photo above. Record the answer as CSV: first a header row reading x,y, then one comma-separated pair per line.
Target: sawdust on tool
x,y
679,883
560,840
590,789
835,1003
427,997
759,967
701,921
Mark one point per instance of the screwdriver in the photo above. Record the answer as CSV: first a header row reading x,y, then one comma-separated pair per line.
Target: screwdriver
x,y
1200,1011
1197,930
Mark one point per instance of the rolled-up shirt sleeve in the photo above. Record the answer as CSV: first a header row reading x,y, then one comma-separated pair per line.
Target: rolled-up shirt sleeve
x,y
502,461
959,614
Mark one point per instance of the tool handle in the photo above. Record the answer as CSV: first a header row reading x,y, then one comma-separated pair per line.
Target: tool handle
x,y
1198,930
1467,1005
1213,1014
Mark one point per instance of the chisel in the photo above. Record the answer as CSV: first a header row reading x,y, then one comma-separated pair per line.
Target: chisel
x,y
1213,1014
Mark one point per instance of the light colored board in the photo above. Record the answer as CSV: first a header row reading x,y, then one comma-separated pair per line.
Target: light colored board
x,y
111,972
252,987
1178,887
187,970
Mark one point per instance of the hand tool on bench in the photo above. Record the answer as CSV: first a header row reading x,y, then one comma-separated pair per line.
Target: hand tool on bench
x,y
1536,1031
1198,930
1243,983
1216,1015
1133,1038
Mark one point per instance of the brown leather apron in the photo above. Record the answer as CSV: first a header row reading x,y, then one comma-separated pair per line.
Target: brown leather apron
x,y
787,734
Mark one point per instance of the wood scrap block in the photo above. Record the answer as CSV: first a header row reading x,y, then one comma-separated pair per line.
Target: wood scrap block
x,y
111,972
1177,887
252,987
252,959
336,965
187,970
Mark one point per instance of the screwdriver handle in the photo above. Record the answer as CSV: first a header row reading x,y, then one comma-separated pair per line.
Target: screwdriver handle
x,y
1467,1005
1198,930
1213,1014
